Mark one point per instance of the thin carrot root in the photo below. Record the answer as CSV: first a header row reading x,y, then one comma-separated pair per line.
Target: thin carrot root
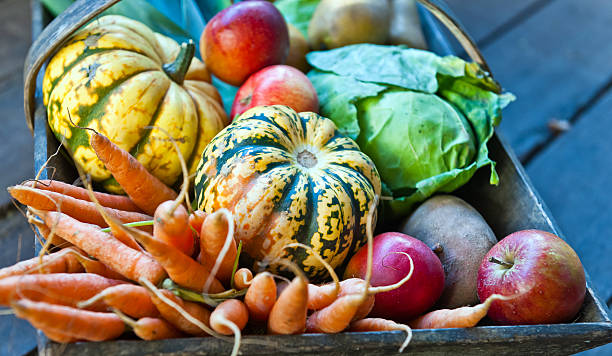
x,y
378,324
130,299
228,318
243,278
148,328
464,317
70,322
119,202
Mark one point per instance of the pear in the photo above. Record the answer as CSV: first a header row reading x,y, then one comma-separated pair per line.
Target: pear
x,y
337,23
405,26
298,48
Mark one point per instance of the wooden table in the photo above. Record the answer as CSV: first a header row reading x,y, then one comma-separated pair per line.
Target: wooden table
x,y
554,55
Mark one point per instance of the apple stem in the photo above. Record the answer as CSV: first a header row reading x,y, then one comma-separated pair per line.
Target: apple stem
x,y
177,69
500,262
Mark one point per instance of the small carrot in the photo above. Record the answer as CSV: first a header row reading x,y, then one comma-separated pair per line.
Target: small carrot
x,y
288,315
181,268
57,288
70,322
145,190
261,296
464,317
378,324
190,318
119,202
171,225
58,262
196,219
243,278
96,267
84,211
150,328
128,262
130,299
230,317
217,245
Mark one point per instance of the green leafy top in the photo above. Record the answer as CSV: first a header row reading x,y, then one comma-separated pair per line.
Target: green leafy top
x,y
424,120
298,12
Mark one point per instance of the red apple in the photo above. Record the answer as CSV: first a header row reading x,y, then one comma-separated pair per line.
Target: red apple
x,y
542,271
415,296
244,38
276,85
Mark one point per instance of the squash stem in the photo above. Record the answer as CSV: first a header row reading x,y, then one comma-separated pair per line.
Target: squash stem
x,y
177,69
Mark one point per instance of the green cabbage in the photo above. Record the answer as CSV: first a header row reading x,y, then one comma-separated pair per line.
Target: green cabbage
x,y
424,120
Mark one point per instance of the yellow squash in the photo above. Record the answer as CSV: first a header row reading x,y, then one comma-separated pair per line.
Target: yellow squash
x,y
136,87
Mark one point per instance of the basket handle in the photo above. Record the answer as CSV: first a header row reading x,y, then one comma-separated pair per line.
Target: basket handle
x,y
437,9
52,37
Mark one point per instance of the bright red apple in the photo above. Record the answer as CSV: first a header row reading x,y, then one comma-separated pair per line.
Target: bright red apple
x,y
276,85
542,270
415,296
244,38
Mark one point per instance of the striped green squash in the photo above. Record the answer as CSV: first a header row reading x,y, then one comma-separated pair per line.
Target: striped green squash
x,y
120,78
289,177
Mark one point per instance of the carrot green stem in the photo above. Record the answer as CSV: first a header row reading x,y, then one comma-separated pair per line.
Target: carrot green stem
x,y
132,224
236,263
209,299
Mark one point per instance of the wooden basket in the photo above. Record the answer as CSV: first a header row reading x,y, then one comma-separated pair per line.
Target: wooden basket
x,y
511,206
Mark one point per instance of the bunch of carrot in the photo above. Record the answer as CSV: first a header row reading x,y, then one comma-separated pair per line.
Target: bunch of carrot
x,y
103,277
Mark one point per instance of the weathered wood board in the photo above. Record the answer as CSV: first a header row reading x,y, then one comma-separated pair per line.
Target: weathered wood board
x,y
555,62
574,177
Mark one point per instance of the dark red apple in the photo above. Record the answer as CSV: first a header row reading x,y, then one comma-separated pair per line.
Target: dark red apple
x,y
542,271
276,85
243,39
415,296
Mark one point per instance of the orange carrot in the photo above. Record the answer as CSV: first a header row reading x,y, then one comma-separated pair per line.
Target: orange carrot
x,y
84,211
70,322
464,317
261,296
128,262
378,324
181,268
150,328
58,262
46,234
171,225
243,278
96,267
174,317
229,317
335,317
57,288
119,202
130,299
196,219
145,190
288,315
217,245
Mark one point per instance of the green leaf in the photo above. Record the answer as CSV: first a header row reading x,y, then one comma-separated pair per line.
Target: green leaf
x,y
297,12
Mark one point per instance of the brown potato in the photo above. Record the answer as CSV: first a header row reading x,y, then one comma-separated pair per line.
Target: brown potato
x,y
460,237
